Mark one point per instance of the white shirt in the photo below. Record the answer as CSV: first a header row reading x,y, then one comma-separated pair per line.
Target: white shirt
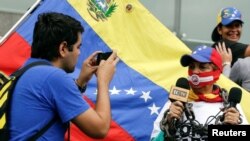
x,y
202,110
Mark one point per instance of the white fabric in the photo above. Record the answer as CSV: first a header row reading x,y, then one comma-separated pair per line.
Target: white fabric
x,y
202,110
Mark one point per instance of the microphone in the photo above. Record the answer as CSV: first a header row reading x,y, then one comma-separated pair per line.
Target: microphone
x,y
234,97
180,92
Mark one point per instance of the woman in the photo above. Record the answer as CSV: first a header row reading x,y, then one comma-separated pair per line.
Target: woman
x,y
206,100
229,30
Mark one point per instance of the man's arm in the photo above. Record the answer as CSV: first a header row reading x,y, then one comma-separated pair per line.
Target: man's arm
x,y
96,122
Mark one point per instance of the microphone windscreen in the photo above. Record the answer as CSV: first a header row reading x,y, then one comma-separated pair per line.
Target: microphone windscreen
x,y
235,95
183,83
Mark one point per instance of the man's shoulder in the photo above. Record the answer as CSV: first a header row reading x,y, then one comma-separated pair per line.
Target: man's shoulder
x,y
44,73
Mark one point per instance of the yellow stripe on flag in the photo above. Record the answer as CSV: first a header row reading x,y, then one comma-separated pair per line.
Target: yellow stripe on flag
x,y
141,40
144,43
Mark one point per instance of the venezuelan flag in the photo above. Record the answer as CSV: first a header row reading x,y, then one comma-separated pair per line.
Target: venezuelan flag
x,y
149,64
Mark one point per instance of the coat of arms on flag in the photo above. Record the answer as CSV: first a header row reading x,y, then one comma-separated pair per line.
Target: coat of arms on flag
x,y
101,9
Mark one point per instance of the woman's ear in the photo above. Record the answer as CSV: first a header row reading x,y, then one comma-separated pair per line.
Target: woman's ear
x,y
219,30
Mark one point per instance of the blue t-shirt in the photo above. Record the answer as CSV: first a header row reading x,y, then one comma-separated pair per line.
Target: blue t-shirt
x,y
42,93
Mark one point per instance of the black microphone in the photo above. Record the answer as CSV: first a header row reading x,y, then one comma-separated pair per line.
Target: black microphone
x,y
180,92
234,98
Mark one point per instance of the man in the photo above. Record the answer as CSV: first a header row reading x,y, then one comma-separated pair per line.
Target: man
x,y
45,92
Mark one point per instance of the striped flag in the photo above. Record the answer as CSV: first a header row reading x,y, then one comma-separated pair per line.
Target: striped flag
x,y
148,51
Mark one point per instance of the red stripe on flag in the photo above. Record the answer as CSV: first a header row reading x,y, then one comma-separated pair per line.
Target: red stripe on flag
x,y
13,53
115,131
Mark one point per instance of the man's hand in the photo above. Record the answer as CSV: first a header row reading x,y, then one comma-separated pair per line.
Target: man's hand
x,y
88,69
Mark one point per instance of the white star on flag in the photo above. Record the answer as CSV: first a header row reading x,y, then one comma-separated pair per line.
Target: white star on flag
x,y
95,93
114,91
154,109
131,91
146,96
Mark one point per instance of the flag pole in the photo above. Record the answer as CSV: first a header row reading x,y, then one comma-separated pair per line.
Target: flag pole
x,y
30,10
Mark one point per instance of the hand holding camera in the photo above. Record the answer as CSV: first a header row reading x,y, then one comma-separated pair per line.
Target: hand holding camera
x,y
91,66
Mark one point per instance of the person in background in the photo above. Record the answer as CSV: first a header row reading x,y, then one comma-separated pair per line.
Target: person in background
x,y
239,73
226,35
45,92
229,30
204,69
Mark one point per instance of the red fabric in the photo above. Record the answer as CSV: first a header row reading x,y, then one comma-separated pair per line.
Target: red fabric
x,y
196,81
13,53
216,97
115,131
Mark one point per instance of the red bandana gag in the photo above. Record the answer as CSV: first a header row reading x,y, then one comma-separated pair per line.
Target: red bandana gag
x,y
202,79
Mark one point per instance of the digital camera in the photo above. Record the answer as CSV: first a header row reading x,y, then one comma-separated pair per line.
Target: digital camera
x,y
102,56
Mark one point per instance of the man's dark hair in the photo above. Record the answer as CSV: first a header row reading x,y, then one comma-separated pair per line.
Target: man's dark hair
x,y
50,30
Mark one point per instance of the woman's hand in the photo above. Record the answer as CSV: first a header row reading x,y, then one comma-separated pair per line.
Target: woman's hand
x,y
175,110
225,53
231,116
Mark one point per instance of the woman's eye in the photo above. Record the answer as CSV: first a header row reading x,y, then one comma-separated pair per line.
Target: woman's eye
x,y
191,67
